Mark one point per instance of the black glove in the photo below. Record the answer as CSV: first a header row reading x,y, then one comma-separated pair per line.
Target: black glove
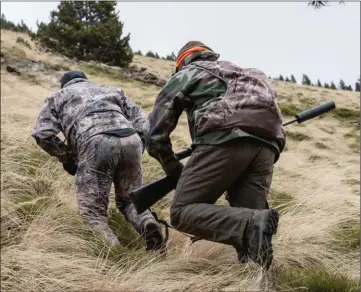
x,y
70,167
176,171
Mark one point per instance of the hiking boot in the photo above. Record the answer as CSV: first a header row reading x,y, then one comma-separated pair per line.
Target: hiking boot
x,y
261,227
152,233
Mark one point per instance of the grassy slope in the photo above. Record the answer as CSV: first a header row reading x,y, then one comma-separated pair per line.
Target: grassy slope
x,y
45,247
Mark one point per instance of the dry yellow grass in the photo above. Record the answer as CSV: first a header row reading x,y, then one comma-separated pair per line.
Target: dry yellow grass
x,y
45,247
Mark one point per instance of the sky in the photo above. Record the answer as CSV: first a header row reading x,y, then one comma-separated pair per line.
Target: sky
x,y
276,37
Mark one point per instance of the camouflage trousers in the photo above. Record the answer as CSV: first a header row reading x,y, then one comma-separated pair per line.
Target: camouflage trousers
x,y
103,160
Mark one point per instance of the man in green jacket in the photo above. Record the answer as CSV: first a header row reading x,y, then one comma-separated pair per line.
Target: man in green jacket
x,y
237,136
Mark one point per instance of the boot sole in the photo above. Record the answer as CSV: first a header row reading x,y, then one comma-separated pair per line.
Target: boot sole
x,y
266,228
152,232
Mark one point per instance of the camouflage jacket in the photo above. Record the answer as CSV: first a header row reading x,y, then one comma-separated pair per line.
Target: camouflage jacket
x,y
81,110
222,102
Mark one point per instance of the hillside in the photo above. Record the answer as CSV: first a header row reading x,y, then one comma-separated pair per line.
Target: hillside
x,y
45,247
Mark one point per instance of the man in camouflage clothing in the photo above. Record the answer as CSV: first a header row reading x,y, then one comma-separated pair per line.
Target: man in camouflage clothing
x,y
237,135
103,129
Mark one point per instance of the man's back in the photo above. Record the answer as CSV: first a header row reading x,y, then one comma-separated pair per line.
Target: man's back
x,y
82,109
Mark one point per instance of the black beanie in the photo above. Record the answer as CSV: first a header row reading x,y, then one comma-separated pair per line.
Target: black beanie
x,y
72,75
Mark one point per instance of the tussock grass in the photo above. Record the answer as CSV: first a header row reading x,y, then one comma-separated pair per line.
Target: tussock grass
x,y
321,145
297,136
346,113
24,42
347,236
314,280
289,109
280,200
46,247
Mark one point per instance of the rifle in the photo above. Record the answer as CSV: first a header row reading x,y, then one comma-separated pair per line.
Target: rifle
x,y
146,196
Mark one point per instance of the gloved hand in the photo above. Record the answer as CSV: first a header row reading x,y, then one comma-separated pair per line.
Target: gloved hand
x,y
176,171
70,166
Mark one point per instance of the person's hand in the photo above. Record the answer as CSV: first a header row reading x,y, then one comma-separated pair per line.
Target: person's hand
x,y
176,171
70,166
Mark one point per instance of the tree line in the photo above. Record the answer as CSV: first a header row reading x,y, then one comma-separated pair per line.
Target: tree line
x,y
151,54
92,31
7,24
306,81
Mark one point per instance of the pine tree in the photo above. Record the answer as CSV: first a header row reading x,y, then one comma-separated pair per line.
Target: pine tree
x,y
87,30
357,85
306,80
151,54
320,4
342,85
281,78
319,84
6,24
171,57
287,79
293,79
326,85
349,88
333,86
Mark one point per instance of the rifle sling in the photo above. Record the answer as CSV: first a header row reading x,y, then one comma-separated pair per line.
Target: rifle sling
x,y
167,226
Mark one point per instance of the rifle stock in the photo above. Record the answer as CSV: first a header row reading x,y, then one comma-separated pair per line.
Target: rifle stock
x,y
146,196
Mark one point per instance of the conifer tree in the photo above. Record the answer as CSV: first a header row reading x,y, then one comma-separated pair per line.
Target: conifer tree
x,y
293,79
357,85
306,80
342,85
87,30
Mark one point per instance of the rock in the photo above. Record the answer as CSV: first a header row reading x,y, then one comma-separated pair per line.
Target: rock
x,y
12,69
37,71
148,78
44,72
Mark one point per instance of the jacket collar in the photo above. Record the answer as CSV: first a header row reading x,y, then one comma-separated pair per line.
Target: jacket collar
x,y
204,55
75,80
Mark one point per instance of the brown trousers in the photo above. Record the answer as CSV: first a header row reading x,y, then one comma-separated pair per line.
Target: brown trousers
x,y
244,169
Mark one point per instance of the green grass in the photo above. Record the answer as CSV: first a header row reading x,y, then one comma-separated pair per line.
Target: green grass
x,y
351,181
320,145
105,71
297,136
346,114
354,147
349,135
328,130
289,109
123,229
313,280
347,236
315,157
280,200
